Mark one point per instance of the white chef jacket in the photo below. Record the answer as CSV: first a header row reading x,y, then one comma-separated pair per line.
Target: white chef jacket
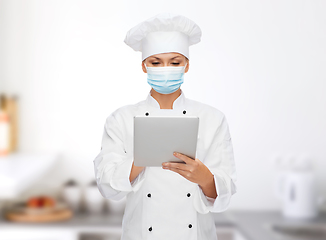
x,y
162,204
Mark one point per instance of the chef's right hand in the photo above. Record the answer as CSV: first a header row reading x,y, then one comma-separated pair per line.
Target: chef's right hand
x,y
137,167
135,170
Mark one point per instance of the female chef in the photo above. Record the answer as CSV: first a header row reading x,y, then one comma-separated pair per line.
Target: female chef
x,y
174,201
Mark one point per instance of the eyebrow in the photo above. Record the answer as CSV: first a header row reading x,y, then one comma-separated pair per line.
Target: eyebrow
x,y
171,58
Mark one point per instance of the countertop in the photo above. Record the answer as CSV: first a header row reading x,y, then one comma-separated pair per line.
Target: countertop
x,y
256,225
253,225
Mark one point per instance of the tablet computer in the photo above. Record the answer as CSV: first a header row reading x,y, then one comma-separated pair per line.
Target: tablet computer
x,y
157,137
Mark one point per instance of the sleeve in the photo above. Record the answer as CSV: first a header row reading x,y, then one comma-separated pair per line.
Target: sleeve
x,y
113,164
220,161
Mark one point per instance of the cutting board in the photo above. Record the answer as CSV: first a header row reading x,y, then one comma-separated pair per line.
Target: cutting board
x,y
39,215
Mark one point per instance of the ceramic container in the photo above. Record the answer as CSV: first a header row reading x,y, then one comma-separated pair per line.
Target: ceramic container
x,y
71,193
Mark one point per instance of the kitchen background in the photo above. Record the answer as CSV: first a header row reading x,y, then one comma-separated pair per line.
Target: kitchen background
x,y
262,63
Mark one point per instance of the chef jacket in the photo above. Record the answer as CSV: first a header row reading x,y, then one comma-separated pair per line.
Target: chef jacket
x,y
162,204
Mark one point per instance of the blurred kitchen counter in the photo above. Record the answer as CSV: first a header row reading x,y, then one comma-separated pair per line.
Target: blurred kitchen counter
x,y
257,225
253,225
79,221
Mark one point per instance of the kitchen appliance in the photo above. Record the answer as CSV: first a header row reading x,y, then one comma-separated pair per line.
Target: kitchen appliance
x,y
296,187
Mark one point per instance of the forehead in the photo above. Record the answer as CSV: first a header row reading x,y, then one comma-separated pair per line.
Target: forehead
x,y
166,56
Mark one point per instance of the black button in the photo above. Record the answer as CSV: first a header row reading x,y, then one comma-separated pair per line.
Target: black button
x,y
147,114
150,229
190,226
184,111
149,195
188,194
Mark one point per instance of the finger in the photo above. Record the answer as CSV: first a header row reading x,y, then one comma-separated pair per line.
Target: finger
x,y
184,158
182,172
180,166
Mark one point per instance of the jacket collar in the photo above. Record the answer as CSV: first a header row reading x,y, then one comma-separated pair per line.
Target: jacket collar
x,y
178,104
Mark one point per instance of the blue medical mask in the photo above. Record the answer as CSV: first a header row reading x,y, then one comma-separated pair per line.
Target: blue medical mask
x,y
165,80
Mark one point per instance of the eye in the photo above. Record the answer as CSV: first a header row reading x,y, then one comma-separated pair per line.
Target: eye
x,y
175,63
154,63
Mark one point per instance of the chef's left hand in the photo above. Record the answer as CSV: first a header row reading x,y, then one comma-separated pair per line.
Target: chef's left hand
x,y
194,170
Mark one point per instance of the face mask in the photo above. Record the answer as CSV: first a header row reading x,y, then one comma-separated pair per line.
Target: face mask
x,y
165,80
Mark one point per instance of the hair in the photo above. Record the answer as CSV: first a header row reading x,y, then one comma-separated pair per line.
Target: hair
x,y
187,59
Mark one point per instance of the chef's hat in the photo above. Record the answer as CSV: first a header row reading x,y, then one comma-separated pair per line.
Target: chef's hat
x,y
165,32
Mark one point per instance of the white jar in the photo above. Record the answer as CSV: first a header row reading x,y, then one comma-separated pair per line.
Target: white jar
x,y
94,200
72,196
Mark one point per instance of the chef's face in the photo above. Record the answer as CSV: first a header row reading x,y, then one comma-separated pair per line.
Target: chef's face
x,y
166,60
